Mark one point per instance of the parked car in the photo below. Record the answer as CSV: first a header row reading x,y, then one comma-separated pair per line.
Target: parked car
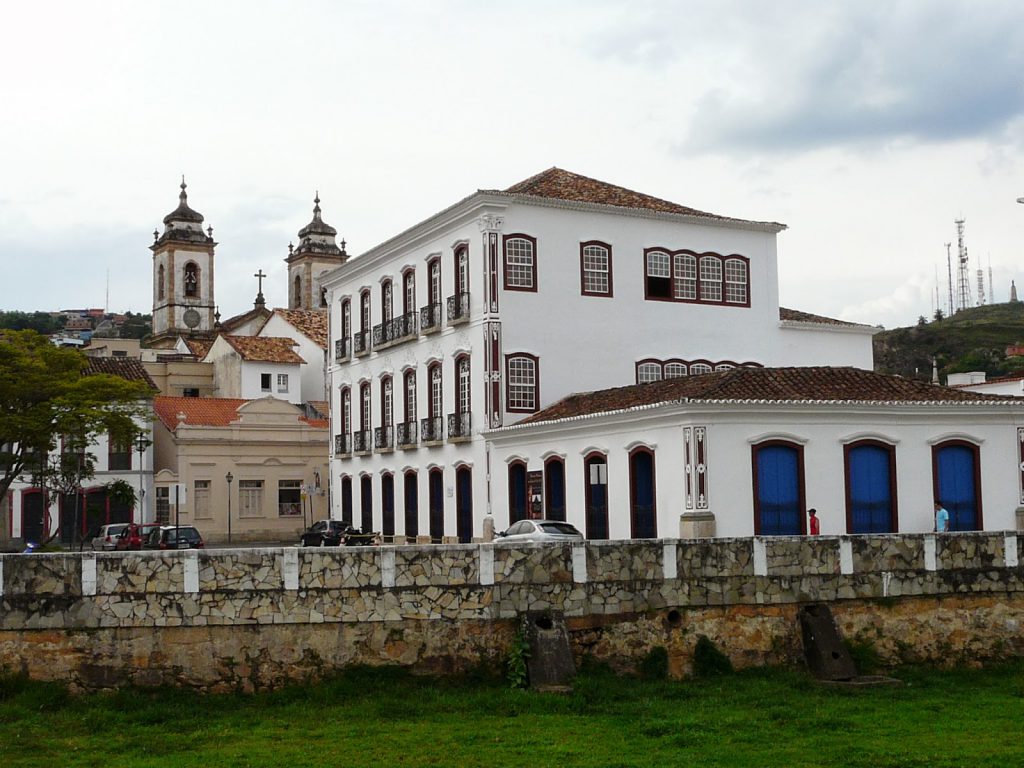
x,y
133,536
334,533
107,535
171,537
541,530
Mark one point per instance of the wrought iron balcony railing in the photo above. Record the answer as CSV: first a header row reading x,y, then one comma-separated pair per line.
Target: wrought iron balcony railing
x,y
432,430
460,426
430,318
342,445
394,330
383,439
342,350
406,434
361,441
360,343
458,308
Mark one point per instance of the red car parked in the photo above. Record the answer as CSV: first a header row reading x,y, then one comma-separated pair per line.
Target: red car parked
x,y
134,535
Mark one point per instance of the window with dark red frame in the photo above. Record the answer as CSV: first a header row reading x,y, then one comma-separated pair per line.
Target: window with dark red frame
x,y
520,262
595,268
522,381
696,278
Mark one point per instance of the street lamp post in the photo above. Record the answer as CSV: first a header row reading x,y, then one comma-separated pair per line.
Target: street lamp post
x,y
229,477
141,443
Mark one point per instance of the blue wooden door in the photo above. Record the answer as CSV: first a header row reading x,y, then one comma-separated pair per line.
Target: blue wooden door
x,y
597,497
642,471
412,506
464,504
366,503
871,502
436,497
387,505
516,493
779,507
554,472
955,465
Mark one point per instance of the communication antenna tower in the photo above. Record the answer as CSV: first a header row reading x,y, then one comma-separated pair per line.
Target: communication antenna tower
x,y
981,287
991,285
963,284
951,308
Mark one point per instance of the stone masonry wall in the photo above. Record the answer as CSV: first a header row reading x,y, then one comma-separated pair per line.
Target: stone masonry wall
x,y
255,618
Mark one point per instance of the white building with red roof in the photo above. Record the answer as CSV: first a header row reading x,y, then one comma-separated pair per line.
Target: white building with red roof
x,y
509,300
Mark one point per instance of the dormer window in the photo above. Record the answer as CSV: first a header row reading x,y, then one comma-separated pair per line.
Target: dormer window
x,y
191,280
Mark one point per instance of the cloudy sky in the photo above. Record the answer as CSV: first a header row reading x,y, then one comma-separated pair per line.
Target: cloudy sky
x,y
866,127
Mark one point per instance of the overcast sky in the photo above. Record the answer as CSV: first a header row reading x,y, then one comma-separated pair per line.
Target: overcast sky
x,y
866,127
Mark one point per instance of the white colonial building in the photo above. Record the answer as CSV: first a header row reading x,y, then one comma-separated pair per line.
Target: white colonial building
x,y
748,451
508,301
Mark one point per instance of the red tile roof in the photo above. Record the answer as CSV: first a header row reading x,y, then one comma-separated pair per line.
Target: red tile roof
x,y
208,412
558,184
264,349
198,347
310,322
129,368
812,384
796,316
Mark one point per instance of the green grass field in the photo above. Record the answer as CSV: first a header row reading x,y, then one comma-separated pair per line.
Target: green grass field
x,y
386,717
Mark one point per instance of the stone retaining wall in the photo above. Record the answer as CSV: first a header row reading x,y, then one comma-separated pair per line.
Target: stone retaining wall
x,y
257,618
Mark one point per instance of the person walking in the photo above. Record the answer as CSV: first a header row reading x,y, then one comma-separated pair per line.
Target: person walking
x,y
941,519
813,525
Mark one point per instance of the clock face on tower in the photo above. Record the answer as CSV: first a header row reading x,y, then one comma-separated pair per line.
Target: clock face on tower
x,y
191,318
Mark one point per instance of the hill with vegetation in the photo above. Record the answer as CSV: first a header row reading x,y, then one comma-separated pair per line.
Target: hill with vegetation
x,y
974,339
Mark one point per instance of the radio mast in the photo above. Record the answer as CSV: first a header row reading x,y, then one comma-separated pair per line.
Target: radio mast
x,y
963,284
950,308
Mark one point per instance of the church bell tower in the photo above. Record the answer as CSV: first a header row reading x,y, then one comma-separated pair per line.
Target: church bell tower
x,y
183,302
316,254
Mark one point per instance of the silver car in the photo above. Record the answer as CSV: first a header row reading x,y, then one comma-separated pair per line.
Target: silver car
x,y
106,537
540,530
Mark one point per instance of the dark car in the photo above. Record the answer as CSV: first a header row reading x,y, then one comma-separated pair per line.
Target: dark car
x,y
335,533
171,537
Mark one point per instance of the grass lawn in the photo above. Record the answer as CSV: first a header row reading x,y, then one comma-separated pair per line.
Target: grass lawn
x,y
386,717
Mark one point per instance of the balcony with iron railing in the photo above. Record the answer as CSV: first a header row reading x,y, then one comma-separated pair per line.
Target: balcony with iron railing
x,y
460,427
458,308
406,434
342,350
361,343
361,442
398,329
430,318
342,445
432,430
384,439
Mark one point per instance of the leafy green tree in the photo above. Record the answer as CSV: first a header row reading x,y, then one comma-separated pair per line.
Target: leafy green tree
x,y
136,326
35,321
45,394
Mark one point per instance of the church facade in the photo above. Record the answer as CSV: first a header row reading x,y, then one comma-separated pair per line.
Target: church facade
x,y
509,300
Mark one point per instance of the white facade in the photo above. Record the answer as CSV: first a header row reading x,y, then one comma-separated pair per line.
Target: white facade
x,y
244,379
313,384
704,463
565,340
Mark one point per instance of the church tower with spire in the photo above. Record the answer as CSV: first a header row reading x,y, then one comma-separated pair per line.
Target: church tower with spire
x,y
183,301
316,254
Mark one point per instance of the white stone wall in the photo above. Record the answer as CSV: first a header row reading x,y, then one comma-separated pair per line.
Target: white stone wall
x,y
312,385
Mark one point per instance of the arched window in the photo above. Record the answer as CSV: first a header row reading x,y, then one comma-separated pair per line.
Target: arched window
x,y
412,506
464,504
595,269
595,475
520,263
870,487
710,279
658,268
386,306
346,411
522,376
297,292
191,280
160,279
554,488
778,488
463,401
434,284
648,371
366,503
409,292
675,370
643,494
956,483
346,499
364,406
410,396
435,481
517,498
462,269
346,318
698,368
323,296
364,311
387,505
685,283
736,279
386,408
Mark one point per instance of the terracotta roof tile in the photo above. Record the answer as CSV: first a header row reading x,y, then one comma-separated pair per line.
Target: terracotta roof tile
x,y
198,347
558,184
208,412
812,384
310,322
796,316
264,349
129,368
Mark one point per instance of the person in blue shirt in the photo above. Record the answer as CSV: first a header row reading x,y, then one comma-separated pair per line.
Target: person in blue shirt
x,y
941,519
